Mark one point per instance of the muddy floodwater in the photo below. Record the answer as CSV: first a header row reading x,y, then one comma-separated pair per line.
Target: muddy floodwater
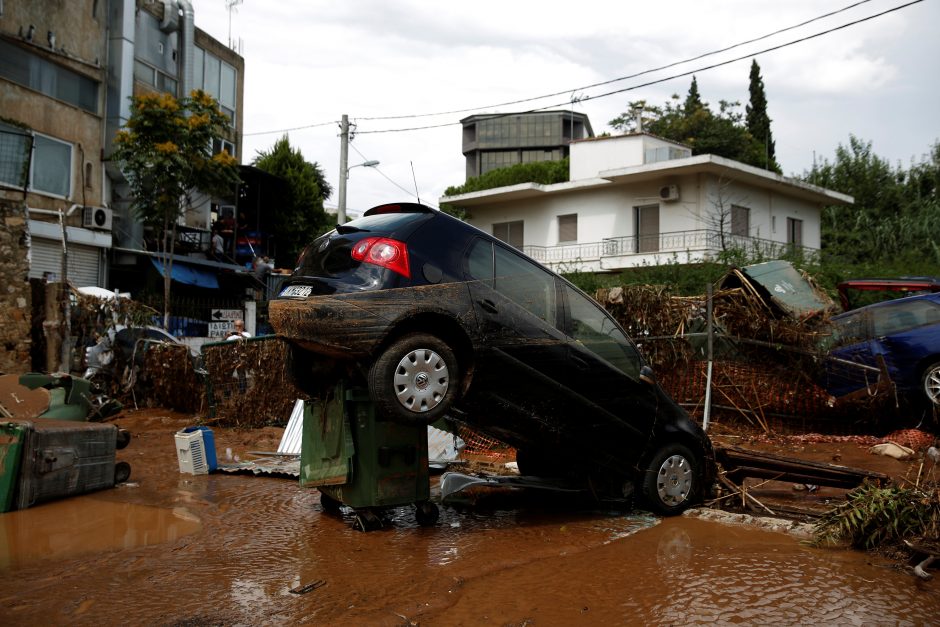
x,y
172,549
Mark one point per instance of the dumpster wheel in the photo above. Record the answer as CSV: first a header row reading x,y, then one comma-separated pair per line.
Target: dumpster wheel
x,y
329,504
426,513
122,472
367,520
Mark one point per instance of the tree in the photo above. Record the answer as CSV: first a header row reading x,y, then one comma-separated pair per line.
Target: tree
x,y
694,124
892,228
693,101
758,123
165,153
303,218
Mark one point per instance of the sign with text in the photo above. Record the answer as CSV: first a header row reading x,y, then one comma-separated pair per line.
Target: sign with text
x,y
220,329
227,314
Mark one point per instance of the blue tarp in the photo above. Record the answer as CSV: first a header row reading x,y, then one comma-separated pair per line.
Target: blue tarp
x,y
189,274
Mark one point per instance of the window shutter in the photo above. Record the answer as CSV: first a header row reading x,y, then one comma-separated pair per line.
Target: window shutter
x,y
568,228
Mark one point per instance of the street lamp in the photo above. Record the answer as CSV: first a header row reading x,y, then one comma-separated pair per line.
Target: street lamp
x,y
341,203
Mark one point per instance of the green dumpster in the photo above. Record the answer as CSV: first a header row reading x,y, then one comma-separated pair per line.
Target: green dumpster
x,y
11,447
357,458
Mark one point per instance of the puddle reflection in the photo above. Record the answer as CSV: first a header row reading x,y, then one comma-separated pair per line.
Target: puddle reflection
x,y
82,525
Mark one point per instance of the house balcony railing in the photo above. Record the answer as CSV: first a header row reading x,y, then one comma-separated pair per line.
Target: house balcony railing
x,y
695,244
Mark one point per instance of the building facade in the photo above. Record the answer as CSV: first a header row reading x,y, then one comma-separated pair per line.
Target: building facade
x,y
638,199
492,141
67,72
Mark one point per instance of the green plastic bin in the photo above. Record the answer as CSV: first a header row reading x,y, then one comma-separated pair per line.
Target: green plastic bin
x,y
11,448
356,457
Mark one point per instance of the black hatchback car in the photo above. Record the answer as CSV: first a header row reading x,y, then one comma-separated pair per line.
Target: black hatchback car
x,y
441,317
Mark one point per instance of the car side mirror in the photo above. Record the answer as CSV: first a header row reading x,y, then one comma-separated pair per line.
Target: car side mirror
x,y
647,376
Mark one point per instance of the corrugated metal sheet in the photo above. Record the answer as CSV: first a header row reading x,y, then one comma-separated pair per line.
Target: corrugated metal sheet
x,y
84,261
291,440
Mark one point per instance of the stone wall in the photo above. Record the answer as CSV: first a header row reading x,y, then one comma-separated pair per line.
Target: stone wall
x,y
15,311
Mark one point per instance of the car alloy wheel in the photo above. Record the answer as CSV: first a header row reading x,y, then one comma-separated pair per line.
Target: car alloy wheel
x,y
932,383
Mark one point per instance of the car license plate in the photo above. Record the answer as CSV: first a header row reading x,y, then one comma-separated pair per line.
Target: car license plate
x,y
299,291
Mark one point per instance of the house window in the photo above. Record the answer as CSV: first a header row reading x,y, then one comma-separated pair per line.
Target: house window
x,y
568,228
740,221
647,228
52,166
14,155
794,232
218,79
509,232
29,70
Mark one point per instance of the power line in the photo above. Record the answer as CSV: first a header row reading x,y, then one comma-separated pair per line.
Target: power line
x,y
387,178
674,76
296,128
623,78
558,93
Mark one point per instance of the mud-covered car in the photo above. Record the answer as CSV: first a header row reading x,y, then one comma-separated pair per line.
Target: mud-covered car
x,y
904,333
440,317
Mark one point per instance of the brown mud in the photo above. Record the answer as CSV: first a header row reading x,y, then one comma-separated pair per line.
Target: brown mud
x,y
174,549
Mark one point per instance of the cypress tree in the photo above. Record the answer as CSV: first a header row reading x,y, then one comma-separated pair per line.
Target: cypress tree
x,y
693,101
758,123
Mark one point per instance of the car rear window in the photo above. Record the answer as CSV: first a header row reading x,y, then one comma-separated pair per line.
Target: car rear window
x,y
385,222
329,255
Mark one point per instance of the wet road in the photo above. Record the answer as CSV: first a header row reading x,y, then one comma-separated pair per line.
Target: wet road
x,y
224,549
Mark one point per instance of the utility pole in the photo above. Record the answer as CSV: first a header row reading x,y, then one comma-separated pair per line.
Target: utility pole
x,y
343,169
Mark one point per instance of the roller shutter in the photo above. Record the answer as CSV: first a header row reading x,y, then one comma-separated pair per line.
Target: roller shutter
x,y
84,261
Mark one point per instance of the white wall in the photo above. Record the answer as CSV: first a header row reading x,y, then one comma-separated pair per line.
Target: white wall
x,y
591,156
608,212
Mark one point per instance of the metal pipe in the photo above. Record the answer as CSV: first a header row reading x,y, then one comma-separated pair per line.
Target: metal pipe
x,y
188,47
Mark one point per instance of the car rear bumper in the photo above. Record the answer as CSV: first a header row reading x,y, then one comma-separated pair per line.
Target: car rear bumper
x,y
326,325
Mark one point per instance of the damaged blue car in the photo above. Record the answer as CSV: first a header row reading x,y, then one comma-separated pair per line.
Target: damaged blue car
x,y
898,337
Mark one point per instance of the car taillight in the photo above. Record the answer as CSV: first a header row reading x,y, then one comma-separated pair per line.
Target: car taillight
x,y
381,251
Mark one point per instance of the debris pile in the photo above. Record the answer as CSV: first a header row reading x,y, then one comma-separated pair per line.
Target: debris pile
x,y
770,333
249,382
169,378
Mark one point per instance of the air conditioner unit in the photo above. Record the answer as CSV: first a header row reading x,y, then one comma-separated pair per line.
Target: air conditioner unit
x,y
669,193
97,218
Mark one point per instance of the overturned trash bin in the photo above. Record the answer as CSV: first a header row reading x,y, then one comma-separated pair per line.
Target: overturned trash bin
x,y
356,457
57,459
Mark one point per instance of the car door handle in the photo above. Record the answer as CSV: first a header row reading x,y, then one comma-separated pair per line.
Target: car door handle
x,y
488,305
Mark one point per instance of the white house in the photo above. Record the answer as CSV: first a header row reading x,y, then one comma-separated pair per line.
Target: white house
x,y
639,199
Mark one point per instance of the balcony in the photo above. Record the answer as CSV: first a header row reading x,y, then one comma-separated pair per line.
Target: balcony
x,y
691,246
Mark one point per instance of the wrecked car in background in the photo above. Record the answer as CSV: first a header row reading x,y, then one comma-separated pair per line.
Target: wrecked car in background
x,y
442,318
904,333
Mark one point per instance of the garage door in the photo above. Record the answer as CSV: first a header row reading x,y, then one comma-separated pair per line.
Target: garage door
x,y
84,261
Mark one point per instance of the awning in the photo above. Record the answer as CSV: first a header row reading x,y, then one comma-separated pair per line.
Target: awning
x,y
189,274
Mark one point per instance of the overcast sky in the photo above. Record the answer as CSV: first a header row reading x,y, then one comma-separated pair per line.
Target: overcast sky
x,y
307,62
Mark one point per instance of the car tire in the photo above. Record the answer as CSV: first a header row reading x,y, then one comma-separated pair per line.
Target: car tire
x,y
930,382
672,480
414,379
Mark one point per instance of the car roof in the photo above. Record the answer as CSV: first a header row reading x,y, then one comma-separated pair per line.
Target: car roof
x,y
410,207
933,296
900,284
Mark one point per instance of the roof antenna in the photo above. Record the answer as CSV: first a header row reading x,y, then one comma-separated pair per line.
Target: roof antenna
x,y
415,180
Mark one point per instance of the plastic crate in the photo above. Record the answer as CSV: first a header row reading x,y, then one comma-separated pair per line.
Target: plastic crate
x,y
195,450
